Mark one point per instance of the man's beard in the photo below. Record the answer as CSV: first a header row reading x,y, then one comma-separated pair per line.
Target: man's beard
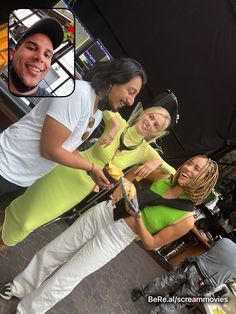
x,y
105,104
18,84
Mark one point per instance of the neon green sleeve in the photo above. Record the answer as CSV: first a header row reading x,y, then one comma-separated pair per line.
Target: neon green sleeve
x,y
108,115
113,123
151,154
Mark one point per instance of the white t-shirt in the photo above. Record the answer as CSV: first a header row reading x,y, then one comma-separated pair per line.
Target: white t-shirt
x,y
20,159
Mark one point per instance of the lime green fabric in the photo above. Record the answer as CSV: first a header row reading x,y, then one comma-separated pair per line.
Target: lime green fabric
x,y
124,159
158,217
63,188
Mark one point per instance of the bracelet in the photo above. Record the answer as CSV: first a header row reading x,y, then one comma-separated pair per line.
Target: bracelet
x,y
91,170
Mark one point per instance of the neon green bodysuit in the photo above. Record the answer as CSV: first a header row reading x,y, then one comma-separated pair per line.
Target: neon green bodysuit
x,y
64,187
158,217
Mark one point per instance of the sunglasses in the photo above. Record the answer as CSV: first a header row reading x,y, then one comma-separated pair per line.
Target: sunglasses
x,y
88,129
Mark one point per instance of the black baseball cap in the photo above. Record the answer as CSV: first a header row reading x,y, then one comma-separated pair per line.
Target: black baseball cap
x,y
48,26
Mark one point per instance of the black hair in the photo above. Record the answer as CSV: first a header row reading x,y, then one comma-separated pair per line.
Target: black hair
x,y
116,71
21,41
168,101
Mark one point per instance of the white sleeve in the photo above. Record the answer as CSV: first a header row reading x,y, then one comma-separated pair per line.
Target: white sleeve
x,y
68,110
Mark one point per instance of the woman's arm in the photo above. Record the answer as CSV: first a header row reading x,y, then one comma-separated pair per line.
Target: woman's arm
x,y
53,135
143,171
153,168
132,174
156,175
114,125
152,154
149,171
166,235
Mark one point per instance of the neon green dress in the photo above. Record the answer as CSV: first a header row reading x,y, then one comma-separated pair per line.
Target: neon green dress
x,y
64,187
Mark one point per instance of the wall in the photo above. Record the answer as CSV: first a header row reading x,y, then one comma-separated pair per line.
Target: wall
x,y
184,45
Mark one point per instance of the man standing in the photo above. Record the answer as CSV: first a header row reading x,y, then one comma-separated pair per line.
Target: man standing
x,y
32,56
51,132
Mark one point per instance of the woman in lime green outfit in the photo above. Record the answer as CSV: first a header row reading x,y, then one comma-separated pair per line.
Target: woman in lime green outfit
x,y
64,187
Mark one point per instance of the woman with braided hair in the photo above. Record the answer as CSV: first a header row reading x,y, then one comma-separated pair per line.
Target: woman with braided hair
x,y
203,184
96,237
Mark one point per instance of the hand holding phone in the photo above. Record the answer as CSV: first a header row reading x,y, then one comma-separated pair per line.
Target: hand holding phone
x,y
133,203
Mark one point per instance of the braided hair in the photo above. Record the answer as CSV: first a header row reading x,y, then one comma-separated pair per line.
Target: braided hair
x,y
203,184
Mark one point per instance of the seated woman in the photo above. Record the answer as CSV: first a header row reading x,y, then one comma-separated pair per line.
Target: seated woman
x,y
95,238
64,187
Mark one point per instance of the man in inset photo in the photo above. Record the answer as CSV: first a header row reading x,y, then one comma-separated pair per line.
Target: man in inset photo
x,y
32,56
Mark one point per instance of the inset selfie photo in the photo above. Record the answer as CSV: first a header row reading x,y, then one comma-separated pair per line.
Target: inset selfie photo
x,y
41,52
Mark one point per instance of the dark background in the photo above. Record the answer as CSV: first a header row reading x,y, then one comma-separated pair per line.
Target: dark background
x,y
187,46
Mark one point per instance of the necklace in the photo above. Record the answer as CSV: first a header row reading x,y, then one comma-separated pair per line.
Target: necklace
x,y
122,144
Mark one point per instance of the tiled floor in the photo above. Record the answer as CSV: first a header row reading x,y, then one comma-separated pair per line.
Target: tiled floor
x,y
107,291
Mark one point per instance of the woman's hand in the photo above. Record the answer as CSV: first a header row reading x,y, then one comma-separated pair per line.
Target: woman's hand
x,y
106,141
129,188
144,170
117,195
115,126
133,213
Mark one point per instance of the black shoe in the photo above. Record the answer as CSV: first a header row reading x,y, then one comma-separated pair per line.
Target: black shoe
x,y
136,294
6,291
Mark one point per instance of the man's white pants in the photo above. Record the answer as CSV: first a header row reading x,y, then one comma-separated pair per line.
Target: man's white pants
x,y
91,242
